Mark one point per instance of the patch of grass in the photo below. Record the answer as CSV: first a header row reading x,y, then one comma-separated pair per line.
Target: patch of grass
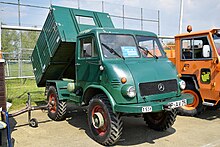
x,y
17,89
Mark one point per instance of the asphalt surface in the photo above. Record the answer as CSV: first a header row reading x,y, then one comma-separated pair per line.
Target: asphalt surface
x,y
202,131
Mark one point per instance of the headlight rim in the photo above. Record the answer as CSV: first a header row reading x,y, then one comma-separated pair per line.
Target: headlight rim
x,y
182,84
126,91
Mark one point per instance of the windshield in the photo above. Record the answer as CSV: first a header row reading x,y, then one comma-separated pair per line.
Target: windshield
x,y
118,46
217,43
152,45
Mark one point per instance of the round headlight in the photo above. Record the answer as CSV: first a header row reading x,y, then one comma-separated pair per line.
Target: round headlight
x,y
131,92
128,91
182,85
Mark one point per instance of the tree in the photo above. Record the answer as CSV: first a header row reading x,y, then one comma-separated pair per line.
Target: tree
x,y
10,40
29,39
11,43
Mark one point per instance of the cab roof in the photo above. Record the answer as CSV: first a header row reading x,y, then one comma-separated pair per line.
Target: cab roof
x,y
197,33
117,31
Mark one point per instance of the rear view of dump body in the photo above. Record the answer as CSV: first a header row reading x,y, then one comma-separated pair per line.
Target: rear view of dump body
x,y
54,55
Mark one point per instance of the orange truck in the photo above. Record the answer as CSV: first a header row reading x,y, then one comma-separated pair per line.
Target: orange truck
x,y
197,59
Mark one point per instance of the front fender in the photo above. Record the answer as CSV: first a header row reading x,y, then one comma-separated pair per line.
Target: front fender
x,y
111,99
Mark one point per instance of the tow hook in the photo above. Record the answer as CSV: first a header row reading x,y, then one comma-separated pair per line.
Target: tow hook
x,y
167,107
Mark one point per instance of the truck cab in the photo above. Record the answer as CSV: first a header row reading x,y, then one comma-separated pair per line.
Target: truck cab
x,y
113,59
109,72
197,60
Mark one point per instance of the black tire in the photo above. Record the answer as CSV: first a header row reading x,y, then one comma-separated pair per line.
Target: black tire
x,y
111,131
196,107
160,121
33,123
57,108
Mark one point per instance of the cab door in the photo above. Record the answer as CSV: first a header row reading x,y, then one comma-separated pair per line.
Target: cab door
x,y
195,63
87,62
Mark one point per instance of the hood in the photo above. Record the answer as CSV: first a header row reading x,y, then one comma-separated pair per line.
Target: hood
x,y
137,72
152,70
148,74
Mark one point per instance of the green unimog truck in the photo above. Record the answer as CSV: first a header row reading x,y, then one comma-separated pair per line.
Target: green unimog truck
x,y
81,58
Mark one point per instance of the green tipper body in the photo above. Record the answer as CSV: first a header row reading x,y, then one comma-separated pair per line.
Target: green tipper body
x,y
54,54
58,55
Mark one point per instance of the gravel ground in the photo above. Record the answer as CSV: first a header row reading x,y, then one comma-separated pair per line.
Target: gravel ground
x,y
202,131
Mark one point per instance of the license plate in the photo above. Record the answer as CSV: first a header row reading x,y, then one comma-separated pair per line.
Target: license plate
x,y
178,103
146,109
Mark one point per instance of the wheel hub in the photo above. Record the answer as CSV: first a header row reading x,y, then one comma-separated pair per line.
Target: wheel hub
x,y
52,103
98,120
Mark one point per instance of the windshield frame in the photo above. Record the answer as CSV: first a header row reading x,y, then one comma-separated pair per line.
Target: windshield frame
x,y
156,39
117,57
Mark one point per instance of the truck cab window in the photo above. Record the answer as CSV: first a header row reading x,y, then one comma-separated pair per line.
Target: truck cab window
x,y
87,48
151,44
193,48
118,46
217,43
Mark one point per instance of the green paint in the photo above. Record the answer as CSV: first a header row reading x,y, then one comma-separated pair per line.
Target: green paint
x,y
60,55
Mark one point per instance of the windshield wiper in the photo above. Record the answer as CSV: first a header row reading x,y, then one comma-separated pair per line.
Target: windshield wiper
x,y
111,50
147,52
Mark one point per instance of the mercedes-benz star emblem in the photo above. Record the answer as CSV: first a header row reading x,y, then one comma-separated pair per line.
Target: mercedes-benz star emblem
x,y
161,87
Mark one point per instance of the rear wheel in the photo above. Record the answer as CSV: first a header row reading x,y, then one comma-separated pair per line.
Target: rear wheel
x,y
57,108
160,121
196,107
105,126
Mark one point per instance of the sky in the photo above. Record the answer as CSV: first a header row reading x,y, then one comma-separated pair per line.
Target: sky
x,y
201,14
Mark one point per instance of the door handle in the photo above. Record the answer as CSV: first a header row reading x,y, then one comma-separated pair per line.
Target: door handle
x,y
185,67
77,64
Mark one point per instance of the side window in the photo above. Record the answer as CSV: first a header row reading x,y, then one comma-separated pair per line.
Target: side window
x,y
193,48
187,52
87,48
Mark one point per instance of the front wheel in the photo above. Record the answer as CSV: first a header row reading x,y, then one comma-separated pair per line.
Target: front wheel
x,y
192,109
105,126
57,108
160,121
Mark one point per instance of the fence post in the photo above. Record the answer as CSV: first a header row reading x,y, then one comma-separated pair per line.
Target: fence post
x,y
2,86
158,21
103,6
123,15
142,23
0,34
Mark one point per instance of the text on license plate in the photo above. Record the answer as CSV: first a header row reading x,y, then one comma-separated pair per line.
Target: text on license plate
x,y
147,109
177,103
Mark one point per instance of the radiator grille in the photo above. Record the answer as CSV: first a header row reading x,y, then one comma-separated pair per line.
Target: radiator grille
x,y
158,87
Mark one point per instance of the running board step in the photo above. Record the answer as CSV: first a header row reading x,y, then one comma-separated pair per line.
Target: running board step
x,y
208,104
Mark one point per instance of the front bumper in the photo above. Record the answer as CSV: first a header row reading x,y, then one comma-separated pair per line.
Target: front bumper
x,y
156,106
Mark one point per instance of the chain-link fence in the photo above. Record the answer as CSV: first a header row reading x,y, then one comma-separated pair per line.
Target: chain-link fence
x,y
17,45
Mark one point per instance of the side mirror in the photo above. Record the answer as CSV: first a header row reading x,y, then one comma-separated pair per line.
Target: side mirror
x,y
206,51
217,33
